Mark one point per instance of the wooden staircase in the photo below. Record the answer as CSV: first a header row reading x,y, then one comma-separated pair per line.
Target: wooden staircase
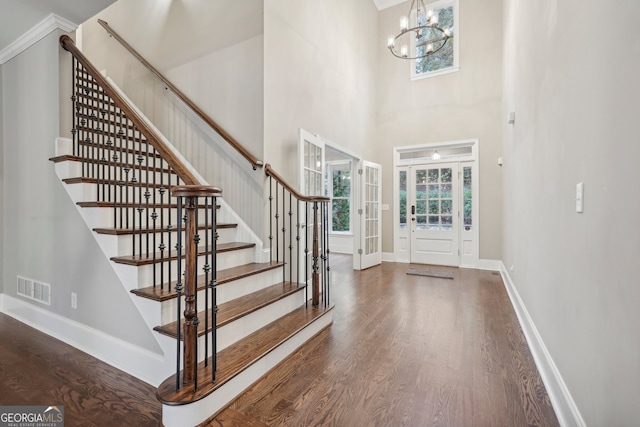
x,y
261,314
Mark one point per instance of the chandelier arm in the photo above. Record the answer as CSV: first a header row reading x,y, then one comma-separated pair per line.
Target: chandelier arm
x,y
441,30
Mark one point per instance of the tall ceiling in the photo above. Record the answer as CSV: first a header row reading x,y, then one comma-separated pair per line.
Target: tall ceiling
x,y
19,16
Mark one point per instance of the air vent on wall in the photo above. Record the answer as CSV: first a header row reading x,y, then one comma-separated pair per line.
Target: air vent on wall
x,y
32,289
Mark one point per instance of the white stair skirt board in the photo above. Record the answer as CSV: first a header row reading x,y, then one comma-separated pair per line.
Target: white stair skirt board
x,y
197,412
563,404
143,364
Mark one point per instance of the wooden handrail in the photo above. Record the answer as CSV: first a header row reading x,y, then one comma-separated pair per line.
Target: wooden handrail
x,y
154,139
255,162
272,173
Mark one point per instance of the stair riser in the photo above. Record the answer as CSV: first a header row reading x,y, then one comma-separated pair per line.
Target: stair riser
x,y
246,325
105,218
226,292
73,169
115,246
143,275
126,192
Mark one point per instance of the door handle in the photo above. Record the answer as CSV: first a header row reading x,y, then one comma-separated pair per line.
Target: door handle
x,y
413,210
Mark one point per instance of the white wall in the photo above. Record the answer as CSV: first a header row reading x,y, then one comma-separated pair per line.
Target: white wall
x,y
576,96
44,237
2,181
456,106
319,75
213,52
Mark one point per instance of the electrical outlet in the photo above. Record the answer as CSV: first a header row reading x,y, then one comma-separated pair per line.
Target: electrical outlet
x,y
74,300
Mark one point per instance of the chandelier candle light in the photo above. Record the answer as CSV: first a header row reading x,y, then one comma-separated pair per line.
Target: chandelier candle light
x,y
429,37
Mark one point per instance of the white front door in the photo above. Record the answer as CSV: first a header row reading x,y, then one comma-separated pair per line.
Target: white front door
x,y
370,251
434,216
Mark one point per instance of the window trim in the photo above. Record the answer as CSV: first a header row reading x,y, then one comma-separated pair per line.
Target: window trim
x,y
456,42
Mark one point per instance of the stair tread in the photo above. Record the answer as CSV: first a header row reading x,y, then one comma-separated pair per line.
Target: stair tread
x,y
90,180
135,151
223,276
137,260
237,308
239,356
128,231
72,158
104,204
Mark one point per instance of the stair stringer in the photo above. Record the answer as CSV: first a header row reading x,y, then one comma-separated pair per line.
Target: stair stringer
x,y
155,369
199,411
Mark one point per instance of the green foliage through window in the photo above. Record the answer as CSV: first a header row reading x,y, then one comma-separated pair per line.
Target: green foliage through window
x,y
340,197
444,57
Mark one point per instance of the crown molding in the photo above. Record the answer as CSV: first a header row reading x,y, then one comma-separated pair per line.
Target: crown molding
x,y
35,34
385,4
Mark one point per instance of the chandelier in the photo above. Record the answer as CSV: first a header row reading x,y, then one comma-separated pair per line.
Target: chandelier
x,y
429,36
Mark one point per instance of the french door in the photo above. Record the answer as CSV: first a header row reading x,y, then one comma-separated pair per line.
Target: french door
x,y
370,251
434,214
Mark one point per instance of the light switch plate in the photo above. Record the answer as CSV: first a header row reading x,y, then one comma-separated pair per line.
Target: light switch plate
x,y
580,197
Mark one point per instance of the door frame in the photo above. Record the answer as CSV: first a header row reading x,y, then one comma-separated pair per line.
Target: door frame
x,y
425,234
418,156
356,188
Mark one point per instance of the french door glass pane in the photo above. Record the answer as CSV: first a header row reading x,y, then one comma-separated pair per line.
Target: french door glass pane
x,y
436,204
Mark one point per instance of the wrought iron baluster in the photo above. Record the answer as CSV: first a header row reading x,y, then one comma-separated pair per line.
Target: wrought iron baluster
x,y
306,254
284,241
83,122
193,285
214,288
147,196
154,219
103,146
94,136
326,254
140,159
162,246
206,269
270,219
75,105
290,237
277,225
178,293
121,181
109,144
297,243
315,282
170,228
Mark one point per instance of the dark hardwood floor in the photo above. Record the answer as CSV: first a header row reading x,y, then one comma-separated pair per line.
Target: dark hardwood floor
x,y
36,369
403,350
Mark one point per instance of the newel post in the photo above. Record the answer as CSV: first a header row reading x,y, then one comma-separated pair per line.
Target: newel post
x,y
188,196
190,332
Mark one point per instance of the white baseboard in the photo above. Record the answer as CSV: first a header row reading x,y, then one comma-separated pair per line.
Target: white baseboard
x,y
561,399
388,257
489,264
141,363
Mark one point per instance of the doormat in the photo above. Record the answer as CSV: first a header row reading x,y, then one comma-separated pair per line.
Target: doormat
x,y
441,274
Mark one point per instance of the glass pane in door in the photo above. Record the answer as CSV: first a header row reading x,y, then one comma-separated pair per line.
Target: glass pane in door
x,y
371,210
